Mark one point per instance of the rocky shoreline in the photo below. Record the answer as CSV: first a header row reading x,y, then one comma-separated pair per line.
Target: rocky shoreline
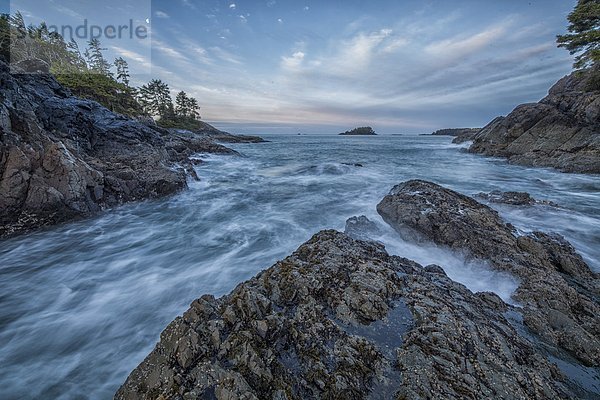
x,y
562,131
341,318
63,158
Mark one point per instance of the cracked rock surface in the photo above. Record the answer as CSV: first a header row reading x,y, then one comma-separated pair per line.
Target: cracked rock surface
x,y
558,291
342,319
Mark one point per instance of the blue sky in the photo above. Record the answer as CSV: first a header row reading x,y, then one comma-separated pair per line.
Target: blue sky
x,y
325,66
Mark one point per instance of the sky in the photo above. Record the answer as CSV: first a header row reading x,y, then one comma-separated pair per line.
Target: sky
x,y
274,66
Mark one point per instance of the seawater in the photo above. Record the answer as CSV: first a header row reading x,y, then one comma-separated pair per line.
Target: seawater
x,y
82,304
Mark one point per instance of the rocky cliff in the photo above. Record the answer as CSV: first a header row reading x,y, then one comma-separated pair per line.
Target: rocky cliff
x,y
63,158
456,131
342,319
561,131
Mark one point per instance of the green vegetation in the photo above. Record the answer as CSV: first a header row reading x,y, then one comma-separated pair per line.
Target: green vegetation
x,y
91,75
584,33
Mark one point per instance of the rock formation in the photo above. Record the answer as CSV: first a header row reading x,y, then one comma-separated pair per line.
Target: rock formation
x,y
456,131
364,131
341,319
559,292
513,198
561,131
63,158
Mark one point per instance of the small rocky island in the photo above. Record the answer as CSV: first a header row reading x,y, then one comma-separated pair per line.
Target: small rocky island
x,y
363,131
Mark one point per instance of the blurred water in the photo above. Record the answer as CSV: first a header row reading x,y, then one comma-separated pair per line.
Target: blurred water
x,y
82,304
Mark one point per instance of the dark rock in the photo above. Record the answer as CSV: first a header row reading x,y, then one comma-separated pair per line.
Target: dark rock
x,y
63,158
212,133
341,319
364,131
459,132
31,66
556,284
512,198
361,228
561,131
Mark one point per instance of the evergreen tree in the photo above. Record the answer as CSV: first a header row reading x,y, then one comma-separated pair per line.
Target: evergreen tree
x,y
122,71
181,103
155,98
95,58
584,33
193,108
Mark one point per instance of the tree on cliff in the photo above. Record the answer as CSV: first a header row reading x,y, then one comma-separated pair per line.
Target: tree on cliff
x,y
584,33
122,71
186,107
155,97
95,58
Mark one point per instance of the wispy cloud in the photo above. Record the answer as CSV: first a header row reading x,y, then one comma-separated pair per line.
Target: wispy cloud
x,y
162,14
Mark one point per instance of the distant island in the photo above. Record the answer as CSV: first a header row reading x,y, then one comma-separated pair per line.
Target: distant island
x,y
363,131
456,131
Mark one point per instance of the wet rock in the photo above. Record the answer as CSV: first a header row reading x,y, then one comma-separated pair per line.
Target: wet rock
x,y
561,131
559,292
512,198
361,228
340,319
64,158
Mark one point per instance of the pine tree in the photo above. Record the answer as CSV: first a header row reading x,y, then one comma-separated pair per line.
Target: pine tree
x,y
155,98
182,104
193,108
122,71
584,36
96,61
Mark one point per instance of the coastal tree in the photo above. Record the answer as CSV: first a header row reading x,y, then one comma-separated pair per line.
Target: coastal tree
x,y
182,104
186,106
95,58
155,98
122,71
583,38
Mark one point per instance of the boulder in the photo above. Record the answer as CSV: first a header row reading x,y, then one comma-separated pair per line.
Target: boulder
x,y
342,319
558,291
361,228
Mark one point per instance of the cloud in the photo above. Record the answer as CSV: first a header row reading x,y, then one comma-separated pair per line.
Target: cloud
x,y
232,6
225,55
280,20
461,46
162,14
293,62
189,4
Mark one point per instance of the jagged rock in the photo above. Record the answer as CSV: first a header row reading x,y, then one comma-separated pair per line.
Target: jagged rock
x,y
342,319
561,131
559,292
212,133
456,131
63,158
361,228
513,198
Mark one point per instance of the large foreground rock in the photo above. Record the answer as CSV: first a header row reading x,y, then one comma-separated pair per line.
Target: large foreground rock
x,y
559,292
63,158
341,319
561,131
